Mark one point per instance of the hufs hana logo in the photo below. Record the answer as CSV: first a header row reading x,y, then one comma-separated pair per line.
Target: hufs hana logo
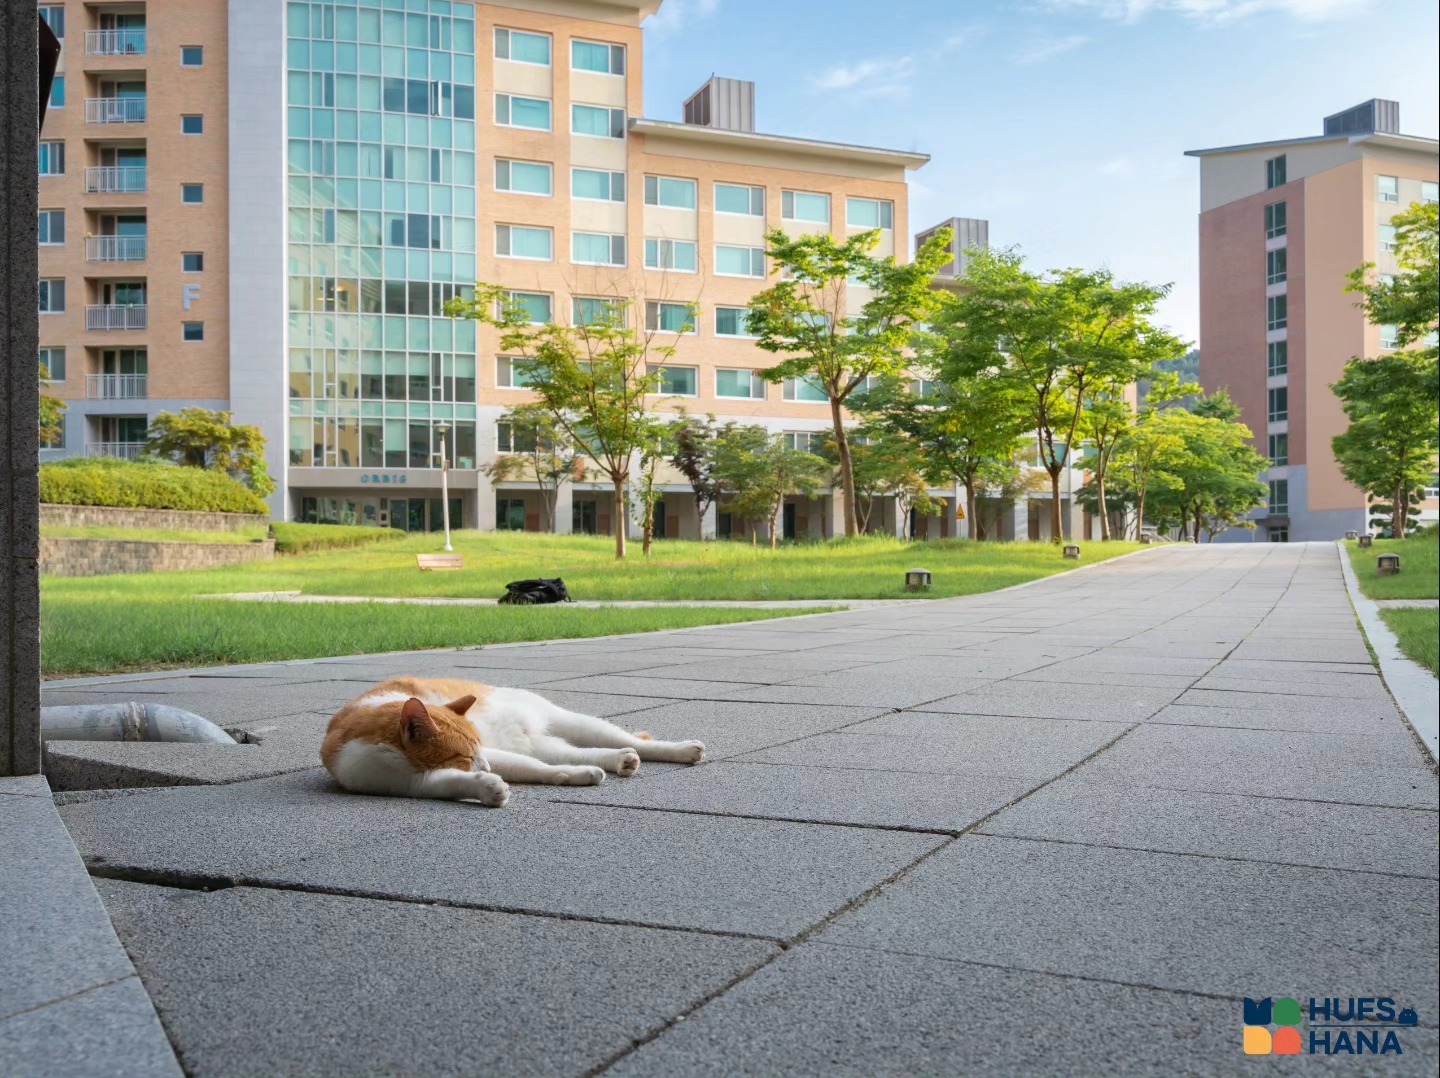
x,y
1364,1025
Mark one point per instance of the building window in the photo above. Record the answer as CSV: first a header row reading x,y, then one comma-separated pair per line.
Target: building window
x,y
192,262
1276,316
192,194
739,261
739,384
52,295
1277,535
536,306
733,322
806,441
522,47
597,249
523,177
1278,360
804,206
1387,188
733,198
1429,192
517,241
590,183
52,363
597,122
192,125
664,191
678,255
1275,172
52,228
598,57
52,158
1387,237
507,376
57,92
192,56
677,381
596,310
806,389
532,113
54,438
1279,399
669,317
1389,338
54,16
1275,262
509,512
1274,220
1279,449
1279,497
192,331
869,213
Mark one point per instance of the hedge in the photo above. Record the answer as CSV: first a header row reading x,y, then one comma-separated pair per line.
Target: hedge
x,y
303,538
144,485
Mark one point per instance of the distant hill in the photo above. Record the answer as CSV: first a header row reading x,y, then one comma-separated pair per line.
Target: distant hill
x,y
1187,367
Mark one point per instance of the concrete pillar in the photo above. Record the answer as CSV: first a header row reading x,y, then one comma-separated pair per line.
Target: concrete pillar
x,y
899,525
564,509
708,521
484,503
835,513
1018,523
960,529
19,396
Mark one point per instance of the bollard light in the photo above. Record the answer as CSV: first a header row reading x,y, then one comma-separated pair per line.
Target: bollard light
x,y
1072,552
1387,565
1366,541
1352,535
917,579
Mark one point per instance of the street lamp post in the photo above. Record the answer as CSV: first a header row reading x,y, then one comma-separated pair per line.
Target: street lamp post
x,y
443,429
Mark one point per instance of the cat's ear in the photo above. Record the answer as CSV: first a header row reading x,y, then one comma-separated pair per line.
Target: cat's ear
x,y
462,705
415,722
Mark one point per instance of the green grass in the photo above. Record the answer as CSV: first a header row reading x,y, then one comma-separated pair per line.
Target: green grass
x,y
1419,634
1419,568
304,538
68,531
154,620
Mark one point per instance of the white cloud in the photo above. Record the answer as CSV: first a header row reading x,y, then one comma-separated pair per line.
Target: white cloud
x,y
1219,12
677,15
879,77
1044,49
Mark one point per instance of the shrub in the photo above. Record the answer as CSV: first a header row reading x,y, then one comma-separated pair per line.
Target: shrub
x,y
303,538
144,485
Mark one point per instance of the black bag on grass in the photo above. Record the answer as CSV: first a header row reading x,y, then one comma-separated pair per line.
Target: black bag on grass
x,y
534,592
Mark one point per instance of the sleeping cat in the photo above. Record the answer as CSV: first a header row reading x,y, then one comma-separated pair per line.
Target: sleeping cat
x,y
414,737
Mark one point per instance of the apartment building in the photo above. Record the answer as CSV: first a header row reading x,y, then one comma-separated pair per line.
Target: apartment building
x,y
263,206
1281,224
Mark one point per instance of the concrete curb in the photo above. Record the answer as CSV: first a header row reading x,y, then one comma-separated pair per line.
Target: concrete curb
x,y
1415,690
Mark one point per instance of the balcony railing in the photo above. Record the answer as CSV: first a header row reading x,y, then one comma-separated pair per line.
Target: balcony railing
x,y
115,180
117,316
115,248
114,42
115,110
115,387
123,450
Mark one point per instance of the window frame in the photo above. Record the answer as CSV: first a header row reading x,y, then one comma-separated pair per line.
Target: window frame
x,y
1382,195
1277,498
509,32
509,163
655,182
49,216
1277,265
47,151
1275,172
548,297
790,193
1274,349
613,302
755,380
611,237
51,367
47,286
614,50
1277,312
1384,245
623,126
658,265
1275,220
881,203
612,173
743,312
652,368
790,391
508,231
186,117
185,337
1389,338
509,366
753,189
1429,192
1277,395
186,188
510,100
654,308
186,48
1280,440
753,252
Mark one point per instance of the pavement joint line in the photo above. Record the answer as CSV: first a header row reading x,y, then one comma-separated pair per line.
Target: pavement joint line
x,y
1281,797
1251,729
733,761
66,999
1206,856
888,828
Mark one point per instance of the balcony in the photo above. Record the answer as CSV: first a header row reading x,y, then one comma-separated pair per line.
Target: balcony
x,y
115,110
121,180
115,42
115,387
115,248
117,316
123,450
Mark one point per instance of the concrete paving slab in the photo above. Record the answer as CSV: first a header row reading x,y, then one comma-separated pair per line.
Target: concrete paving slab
x,y
814,794
1115,915
729,728
1357,709
1033,699
1328,686
265,982
750,671
600,704
649,685
872,692
1346,649
106,1031
1378,720
1056,675
1401,841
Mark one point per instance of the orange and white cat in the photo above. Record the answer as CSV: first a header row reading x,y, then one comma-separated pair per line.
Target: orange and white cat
x,y
415,737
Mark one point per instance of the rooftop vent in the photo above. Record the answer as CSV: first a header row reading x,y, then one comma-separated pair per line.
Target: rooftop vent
x,y
970,234
728,104
1375,115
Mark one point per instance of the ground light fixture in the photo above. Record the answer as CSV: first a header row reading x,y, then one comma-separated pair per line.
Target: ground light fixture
x,y
1366,541
443,429
1072,551
1387,565
917,579
1352,535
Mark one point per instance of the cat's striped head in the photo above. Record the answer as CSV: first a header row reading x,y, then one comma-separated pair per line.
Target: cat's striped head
x,y
434,736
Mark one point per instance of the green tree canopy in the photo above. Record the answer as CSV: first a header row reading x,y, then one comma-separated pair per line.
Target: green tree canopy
x,y
199,438
756,470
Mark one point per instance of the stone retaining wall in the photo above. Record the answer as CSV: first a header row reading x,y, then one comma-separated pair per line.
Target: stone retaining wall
x,y
104,516
100,557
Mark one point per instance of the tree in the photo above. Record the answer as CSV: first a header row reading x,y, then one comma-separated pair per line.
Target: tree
x,y
655,451
806,317
692,440
1210,477
199,438
52,413
1409,300
757,470
1149,443
1057,340
885,462
540,451
593,380
1103,425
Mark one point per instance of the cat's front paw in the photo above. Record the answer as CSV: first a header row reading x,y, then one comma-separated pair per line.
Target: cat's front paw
x,y
627,763
490,790
689,752
577,776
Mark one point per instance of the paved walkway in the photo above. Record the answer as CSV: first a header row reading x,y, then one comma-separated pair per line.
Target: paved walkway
x,y
1063,829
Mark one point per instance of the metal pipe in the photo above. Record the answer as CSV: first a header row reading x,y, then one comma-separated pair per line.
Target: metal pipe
x,y
128,722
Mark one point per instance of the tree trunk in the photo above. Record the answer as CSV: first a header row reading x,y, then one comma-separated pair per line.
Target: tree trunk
x,y
620,517
1057,519
1100,504
847,472
648,532
548,499
774,517
1400,511
1140,514
975,530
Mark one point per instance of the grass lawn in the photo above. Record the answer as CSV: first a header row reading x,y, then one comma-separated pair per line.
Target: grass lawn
x,y
1419,634
153,620
1419,568
67,531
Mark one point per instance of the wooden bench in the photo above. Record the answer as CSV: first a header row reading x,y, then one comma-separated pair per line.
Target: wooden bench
x,y
429,562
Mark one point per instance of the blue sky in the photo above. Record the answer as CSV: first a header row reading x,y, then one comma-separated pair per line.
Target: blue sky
x,y
1064,122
